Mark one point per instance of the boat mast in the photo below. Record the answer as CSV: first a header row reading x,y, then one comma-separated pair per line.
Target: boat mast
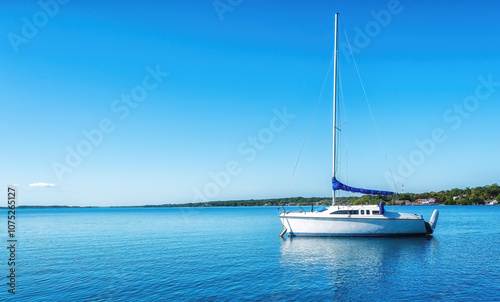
x,y
334,99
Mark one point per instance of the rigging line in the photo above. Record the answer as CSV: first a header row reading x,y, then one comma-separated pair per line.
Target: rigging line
x,y
309,128
345,133
335,160
338,143
369,107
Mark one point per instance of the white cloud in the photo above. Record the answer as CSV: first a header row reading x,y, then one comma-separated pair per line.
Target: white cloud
x,y
42,184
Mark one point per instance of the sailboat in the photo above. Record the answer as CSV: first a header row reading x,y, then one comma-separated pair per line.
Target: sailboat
x,y
353,220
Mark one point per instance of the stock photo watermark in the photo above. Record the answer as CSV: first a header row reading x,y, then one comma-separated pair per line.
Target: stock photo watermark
x,y
224,6
11,238
94,137
364,36
454,118
31,26
249,149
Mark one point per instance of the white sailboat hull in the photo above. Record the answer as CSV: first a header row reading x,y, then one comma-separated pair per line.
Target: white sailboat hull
x,y
326,224
353,227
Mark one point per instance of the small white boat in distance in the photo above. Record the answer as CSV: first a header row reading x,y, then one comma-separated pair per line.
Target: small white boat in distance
x,y
353,220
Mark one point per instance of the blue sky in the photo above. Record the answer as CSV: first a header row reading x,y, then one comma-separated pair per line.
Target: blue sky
x,y
228,120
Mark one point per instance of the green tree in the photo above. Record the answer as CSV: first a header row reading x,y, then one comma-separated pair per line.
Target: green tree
x,y
468,191
449,201
476,200
406,196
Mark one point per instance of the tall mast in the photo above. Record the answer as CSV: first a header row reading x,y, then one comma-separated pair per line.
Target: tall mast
x,y
334,99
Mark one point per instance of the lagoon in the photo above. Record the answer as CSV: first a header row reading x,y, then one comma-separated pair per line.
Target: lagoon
x,y
235,254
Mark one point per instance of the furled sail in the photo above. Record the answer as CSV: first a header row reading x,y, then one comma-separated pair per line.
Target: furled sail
x,y
337,185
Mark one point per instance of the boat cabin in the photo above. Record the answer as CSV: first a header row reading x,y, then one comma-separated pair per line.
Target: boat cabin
x,y
356,212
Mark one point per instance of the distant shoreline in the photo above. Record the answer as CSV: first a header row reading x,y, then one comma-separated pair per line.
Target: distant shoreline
x,y
486,195
209,206
176,206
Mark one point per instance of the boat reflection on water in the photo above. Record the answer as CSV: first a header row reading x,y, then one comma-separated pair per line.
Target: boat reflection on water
x,y
359,267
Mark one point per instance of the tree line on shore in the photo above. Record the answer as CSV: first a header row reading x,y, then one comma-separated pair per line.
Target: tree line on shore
x,y
467,196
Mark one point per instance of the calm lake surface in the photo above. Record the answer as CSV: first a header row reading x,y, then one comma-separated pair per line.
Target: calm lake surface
x,y
228,254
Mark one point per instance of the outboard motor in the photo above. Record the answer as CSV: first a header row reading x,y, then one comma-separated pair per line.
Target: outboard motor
x,y
431,225
434,219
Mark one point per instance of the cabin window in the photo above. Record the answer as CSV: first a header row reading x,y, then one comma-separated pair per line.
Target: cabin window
x,y
362,212
340,212
376,212
345,212
367,212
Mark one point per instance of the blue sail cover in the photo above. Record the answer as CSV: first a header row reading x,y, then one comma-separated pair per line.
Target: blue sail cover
x,y
337,185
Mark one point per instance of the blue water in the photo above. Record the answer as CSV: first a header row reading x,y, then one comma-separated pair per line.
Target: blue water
x,y
235,254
